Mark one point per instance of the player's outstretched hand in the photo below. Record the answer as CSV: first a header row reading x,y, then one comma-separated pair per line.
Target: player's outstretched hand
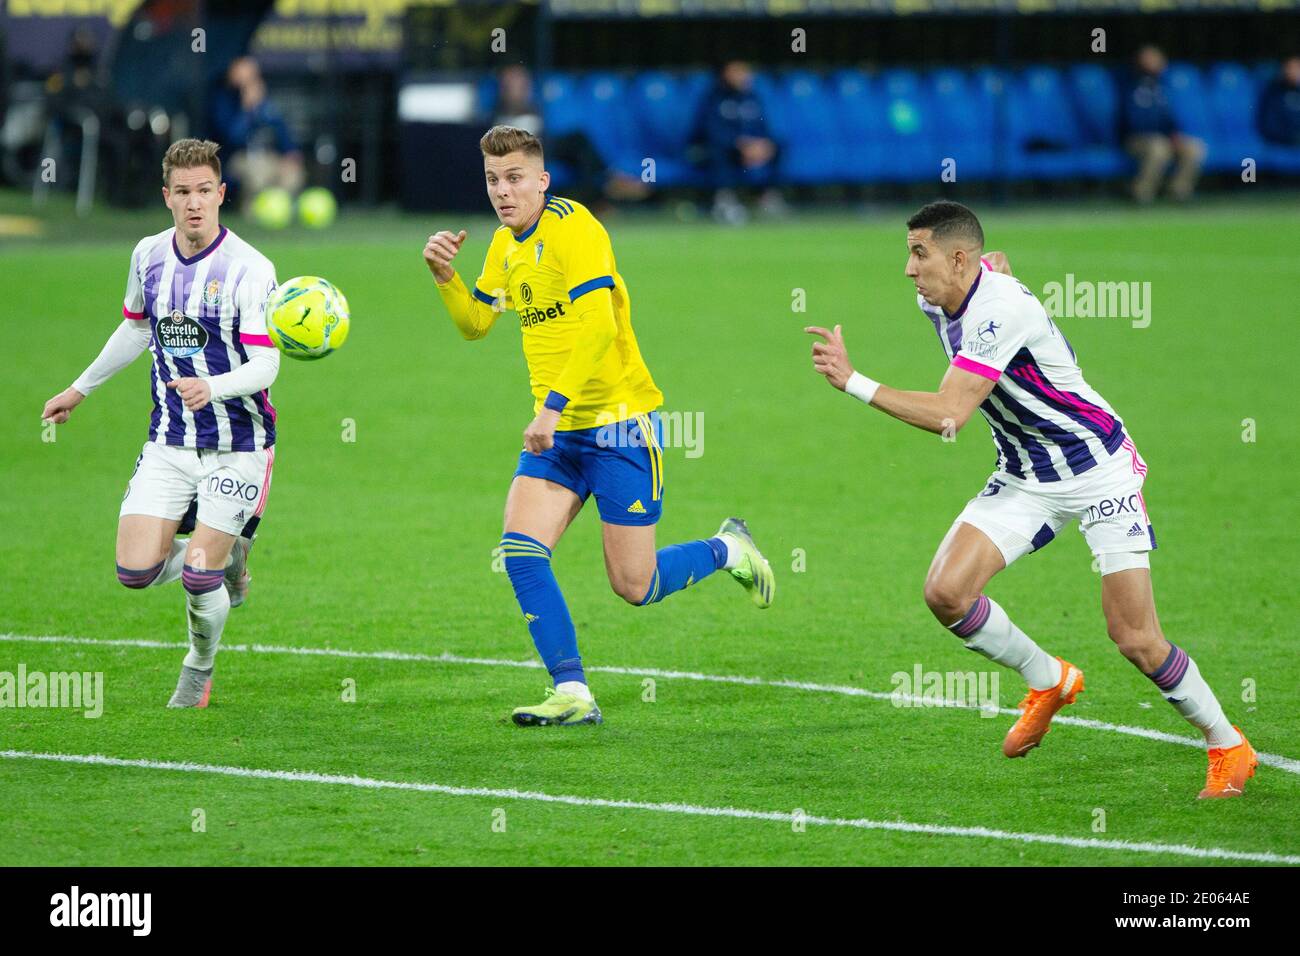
x,y
539,436
194,392
440,250
831,358
58,408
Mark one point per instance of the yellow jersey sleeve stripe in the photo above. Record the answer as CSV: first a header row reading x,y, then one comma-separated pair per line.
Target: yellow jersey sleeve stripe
x,y
600,282
484,297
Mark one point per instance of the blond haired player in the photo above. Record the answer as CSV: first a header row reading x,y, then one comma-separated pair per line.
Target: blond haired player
x,y
195,300
594,430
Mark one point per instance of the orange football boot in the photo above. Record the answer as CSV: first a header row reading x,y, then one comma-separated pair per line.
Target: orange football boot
x,y
1038,708
1230,768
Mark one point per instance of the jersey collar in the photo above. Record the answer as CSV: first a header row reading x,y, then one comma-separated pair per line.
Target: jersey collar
x,y
211,247
961,310
546,197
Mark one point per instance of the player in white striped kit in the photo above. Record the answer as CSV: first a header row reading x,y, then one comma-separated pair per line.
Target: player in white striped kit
x,y
1063,454
195,299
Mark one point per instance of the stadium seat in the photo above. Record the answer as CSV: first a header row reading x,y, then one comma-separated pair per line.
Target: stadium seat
x,y
1233,99
1188,101
1095,96
664,107
486,93
1046,140
965,116
860,125
610,125
811,145
910,153
563,110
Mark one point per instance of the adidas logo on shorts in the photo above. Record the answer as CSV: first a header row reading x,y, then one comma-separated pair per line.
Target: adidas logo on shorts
x,y
636,507
1134,531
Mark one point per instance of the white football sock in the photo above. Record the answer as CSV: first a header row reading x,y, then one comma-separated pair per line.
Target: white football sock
x,y
575,687
173,564
1193,698
206,614
1003,643
733,552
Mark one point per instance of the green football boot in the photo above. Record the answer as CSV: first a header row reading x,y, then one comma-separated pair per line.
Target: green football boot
x,y
564,710
753,571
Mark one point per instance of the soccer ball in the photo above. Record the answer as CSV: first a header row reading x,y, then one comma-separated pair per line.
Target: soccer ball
x,y
307,318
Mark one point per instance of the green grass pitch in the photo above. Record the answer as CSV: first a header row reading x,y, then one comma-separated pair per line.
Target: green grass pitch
x,y
384,543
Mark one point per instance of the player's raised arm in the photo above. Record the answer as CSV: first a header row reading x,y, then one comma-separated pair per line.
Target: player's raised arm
x,y
944,411
475,310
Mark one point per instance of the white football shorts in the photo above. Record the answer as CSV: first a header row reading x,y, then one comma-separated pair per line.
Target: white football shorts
x,y
1021,516
231,486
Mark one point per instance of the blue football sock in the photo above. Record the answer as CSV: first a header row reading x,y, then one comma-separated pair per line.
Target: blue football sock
x,y
681,565
528,564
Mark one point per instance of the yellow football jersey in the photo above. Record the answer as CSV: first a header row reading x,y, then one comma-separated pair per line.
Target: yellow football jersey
x,y
542,275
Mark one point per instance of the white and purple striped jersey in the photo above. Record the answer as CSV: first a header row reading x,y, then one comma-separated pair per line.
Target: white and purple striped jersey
x,y
203,311
1047,422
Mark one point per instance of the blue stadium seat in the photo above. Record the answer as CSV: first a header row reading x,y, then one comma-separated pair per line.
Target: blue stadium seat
x,y
965,114
1188,100
610,125
994,85
860,112
1095,99
1233,98
486,93
1095,96
1045,135
563,110
811,145
910,153
664,108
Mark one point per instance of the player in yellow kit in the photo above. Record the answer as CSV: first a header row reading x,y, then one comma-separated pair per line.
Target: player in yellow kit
x,y
595,429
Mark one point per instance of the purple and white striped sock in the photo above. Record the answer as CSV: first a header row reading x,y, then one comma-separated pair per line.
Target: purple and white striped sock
x,y
1181,683
207,605
987,630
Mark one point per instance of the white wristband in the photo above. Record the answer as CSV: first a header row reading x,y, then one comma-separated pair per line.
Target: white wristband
x,y
861,387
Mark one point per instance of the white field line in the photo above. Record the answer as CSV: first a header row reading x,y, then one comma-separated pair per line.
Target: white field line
x,y
1288,764
685,809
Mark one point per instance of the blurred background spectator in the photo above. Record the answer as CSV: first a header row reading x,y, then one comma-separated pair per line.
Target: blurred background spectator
x,y
591,180
1151,133
1279,106
735,147
257,145
79,111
